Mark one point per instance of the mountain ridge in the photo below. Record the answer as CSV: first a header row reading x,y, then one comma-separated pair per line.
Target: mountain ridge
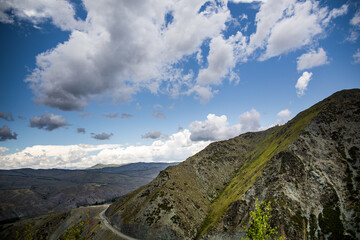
x,y
191,201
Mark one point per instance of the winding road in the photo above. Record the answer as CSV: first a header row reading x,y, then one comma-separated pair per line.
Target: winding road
x,y
107,224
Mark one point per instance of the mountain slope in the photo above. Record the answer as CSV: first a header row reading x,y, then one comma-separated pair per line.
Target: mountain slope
x,y
308,168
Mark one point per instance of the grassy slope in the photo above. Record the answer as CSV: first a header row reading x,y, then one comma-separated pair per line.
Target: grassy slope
x,y
245,177
221,157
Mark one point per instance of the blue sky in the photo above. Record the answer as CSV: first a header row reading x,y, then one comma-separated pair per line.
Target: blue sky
x,y
86,82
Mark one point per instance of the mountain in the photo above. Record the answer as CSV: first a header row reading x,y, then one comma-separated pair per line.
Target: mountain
x,y
100,166
308,168
30,192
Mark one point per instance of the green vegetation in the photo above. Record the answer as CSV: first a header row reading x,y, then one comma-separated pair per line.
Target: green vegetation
x,y
75,231
245,177
28,234
260,228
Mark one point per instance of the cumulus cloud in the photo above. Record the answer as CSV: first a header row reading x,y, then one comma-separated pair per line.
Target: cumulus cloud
x,y
61,13
356,56
3,149
81,130
123,47
220,62
287,25
154,134
284,116
126,116
213,128
176,148
5,134
7,116
102,136
114,115
48,121
216,128
250,121
312,59
302,83
247,1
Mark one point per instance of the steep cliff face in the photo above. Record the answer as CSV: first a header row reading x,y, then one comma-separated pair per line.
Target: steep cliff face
x,y
314,182
308,168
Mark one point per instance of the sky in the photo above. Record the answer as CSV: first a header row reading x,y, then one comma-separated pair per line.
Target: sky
x,y
116,81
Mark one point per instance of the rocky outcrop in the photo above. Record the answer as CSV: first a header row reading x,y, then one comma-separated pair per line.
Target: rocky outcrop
x,y
308,168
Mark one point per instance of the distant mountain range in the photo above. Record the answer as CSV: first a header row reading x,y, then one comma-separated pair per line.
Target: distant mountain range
x,y
309,169
29,192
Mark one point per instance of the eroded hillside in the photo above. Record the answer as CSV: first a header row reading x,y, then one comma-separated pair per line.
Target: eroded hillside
x,y
308,168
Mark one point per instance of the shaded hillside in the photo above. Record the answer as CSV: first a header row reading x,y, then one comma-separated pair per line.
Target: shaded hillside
x,y
29,192
308,168
53,226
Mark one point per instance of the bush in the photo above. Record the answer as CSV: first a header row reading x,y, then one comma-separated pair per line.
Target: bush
x,y
260,228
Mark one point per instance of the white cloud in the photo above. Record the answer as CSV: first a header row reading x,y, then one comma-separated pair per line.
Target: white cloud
x,y
220,62
354,35
222,58
336,12
268,15
356,56
216,128
284,114
250,121
247,1
312,59
124,47
203,93
302,83
60,12
176,148
287,25
3,149
355,21
294,31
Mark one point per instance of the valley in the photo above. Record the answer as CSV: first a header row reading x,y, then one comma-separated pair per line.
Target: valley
x,y
30,192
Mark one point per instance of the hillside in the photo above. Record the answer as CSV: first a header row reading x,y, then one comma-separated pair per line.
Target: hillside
x,y
308,168
30,192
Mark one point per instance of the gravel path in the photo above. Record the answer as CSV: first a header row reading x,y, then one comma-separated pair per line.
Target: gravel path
x,y
114,230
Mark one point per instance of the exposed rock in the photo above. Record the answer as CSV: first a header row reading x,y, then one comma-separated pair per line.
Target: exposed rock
x,y
308,168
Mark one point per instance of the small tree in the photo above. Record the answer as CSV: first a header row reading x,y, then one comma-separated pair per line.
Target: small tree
x,y
260,228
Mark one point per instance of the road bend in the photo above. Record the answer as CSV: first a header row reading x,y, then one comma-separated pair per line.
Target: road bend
x,y
107,224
